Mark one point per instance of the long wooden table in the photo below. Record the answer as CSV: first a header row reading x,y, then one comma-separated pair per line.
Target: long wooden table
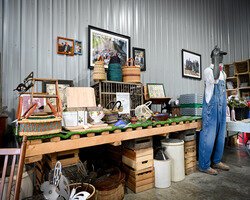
x,y
36,149
237,127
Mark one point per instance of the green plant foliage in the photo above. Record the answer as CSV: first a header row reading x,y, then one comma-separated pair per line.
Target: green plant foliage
x,y
236,102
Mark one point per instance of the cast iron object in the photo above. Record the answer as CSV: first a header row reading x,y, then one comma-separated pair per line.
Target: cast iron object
x,y
26,85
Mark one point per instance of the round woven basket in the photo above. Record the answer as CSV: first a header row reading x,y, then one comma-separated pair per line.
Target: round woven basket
x,y
114,72
99,71
131,73
110,187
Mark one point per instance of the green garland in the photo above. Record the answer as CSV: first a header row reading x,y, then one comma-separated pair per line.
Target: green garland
x,y
191,105
68,134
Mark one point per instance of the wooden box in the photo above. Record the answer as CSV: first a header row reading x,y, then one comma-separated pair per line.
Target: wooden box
x,y
190,156
139,143
114,154
138,159
242,66
140,180
66,158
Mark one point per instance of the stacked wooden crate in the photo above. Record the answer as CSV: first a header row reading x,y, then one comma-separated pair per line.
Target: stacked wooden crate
x,y
190,154
66,158
138,164
189,137
114,154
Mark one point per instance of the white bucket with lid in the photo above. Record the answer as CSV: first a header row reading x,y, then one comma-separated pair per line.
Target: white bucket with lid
x,y
174,149
162,173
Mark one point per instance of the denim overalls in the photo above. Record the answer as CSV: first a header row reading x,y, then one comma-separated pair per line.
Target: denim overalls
x,y
212,135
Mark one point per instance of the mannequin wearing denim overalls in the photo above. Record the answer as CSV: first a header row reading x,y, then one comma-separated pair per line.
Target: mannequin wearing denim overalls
x,y
212,135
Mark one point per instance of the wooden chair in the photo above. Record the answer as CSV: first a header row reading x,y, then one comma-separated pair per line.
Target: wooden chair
x,y
9,153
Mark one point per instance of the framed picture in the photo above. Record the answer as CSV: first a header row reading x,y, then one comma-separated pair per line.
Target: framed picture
x,y
156,90
49,88
139,56
124,98
106,44
191,64
65,46
26,104
78,47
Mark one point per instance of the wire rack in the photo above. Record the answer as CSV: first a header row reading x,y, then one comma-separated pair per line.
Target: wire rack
x,y
105,92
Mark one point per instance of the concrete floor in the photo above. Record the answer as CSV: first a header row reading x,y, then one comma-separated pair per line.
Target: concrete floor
x,y
234,184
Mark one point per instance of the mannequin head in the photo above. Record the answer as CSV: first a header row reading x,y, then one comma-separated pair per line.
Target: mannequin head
x,y
217,59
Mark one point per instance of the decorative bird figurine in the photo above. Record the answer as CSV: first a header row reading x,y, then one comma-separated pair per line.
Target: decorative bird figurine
x,y
26,85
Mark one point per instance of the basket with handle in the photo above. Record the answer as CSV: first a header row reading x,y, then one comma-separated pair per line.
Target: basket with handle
x,y
111,114
99,73
143,111
131,73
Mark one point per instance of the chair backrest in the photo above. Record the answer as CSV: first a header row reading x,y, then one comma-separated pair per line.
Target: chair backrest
x,y
10,155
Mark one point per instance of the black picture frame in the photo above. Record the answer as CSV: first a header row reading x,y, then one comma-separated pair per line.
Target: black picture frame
x,y
139,55
114,43
48,87
191,64
156,90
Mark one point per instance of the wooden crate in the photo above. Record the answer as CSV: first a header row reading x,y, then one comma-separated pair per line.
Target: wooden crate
x,y
140,180
242,66
105,91
39,174
114,154
190,156
138,159
66,158
139,143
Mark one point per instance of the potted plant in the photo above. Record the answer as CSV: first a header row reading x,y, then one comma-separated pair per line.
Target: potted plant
x,y
239,105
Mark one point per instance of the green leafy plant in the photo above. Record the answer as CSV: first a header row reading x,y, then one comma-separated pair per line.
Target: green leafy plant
x,y
236,102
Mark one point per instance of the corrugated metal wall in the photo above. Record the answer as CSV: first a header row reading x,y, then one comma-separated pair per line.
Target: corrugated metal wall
x,y
29,29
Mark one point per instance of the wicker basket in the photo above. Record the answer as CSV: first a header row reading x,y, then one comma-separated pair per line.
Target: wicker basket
x,y
143,111
114,194
35,127
111,115
110,186
99,71
131,73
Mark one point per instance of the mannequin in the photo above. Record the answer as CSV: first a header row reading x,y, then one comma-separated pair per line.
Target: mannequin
x,y
212,135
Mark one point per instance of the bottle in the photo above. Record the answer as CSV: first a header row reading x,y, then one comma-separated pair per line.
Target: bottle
x,y
233,115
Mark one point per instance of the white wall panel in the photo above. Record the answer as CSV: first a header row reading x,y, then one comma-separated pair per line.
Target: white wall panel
x,y
45,40
11,58
29,29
